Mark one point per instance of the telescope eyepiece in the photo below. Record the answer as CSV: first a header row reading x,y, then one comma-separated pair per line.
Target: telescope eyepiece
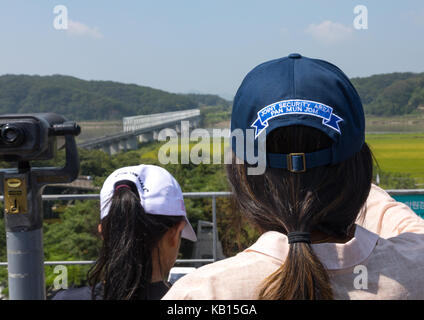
x,y
34,136
12,134
66,128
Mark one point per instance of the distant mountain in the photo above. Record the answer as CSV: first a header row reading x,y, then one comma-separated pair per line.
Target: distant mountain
x,y
391,94
91,100
209,100
382,95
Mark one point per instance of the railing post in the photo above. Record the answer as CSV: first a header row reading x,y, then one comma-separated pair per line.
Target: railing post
x,y
214,232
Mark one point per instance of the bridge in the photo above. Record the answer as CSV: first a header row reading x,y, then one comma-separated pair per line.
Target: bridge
x,y
142,128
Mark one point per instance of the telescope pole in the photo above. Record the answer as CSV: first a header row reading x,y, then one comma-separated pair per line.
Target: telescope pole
x,y
22,188
25,264
24,235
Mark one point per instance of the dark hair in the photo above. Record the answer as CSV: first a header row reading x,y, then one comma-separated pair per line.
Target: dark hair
x,y
327,199
130,235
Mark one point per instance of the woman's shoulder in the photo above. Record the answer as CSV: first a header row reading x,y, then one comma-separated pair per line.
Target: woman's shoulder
x,y
82,293
402,258
232,278
392,271
156,290
404,242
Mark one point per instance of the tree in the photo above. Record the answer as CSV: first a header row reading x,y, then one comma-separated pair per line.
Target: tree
x,y
74,237
78,99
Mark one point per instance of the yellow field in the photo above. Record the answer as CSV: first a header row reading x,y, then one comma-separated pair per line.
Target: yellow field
x,y
396,152
401,153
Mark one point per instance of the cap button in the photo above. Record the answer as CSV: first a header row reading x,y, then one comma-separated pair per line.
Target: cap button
x,y
295,56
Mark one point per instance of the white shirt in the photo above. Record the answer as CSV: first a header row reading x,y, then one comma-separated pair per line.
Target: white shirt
x,y
387,265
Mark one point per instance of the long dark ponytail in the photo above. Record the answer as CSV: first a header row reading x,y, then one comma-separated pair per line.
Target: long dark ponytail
x,y
124,266
325,199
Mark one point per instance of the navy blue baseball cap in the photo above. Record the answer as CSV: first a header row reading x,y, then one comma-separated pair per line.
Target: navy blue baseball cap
x,y
297,90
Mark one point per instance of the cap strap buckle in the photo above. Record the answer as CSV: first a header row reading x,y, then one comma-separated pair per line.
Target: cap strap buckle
x,y
296,162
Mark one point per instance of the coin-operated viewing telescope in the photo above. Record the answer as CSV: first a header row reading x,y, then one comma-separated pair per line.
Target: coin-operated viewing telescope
x,y
25,138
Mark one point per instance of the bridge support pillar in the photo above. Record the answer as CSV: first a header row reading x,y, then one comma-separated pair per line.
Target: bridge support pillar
x,y
122,145
106,149
155,134
131,143
114,148
145,137
195,122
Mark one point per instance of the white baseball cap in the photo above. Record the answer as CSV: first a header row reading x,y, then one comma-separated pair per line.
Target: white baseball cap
x,y
159,193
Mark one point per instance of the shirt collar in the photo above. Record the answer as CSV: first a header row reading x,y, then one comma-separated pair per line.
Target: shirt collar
x,y
333,256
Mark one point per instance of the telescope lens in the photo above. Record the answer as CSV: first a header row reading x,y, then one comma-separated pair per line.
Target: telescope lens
x,y
11,134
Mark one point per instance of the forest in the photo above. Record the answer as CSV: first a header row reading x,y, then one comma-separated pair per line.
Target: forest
x,y
78,99
391,94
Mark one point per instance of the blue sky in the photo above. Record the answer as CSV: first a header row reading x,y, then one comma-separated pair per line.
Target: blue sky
x,y
205,46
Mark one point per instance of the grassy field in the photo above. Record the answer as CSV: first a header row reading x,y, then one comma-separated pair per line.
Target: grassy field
x,y
399,124
399,152
95,129
205,151
397,142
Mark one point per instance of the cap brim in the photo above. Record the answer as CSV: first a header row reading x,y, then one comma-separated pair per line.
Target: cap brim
x,y
188,232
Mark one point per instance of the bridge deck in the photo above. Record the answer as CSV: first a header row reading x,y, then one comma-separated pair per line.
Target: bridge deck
x,y
144,124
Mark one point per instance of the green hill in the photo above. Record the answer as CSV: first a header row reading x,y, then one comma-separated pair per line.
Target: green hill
x,y
90,100
209,100
383,95
391,94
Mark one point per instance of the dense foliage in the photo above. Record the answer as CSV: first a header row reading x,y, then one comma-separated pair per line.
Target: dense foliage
x,y
73,235
209,100
391,94
91,100
383,95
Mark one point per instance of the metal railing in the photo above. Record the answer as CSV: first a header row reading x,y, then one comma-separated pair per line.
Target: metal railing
x,y
212,195
69,197
398,192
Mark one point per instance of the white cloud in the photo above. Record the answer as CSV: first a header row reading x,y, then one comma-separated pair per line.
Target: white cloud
x,y
329,32
76,28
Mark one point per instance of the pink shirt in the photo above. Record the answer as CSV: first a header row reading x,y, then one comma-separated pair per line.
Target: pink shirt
x,y
384,260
